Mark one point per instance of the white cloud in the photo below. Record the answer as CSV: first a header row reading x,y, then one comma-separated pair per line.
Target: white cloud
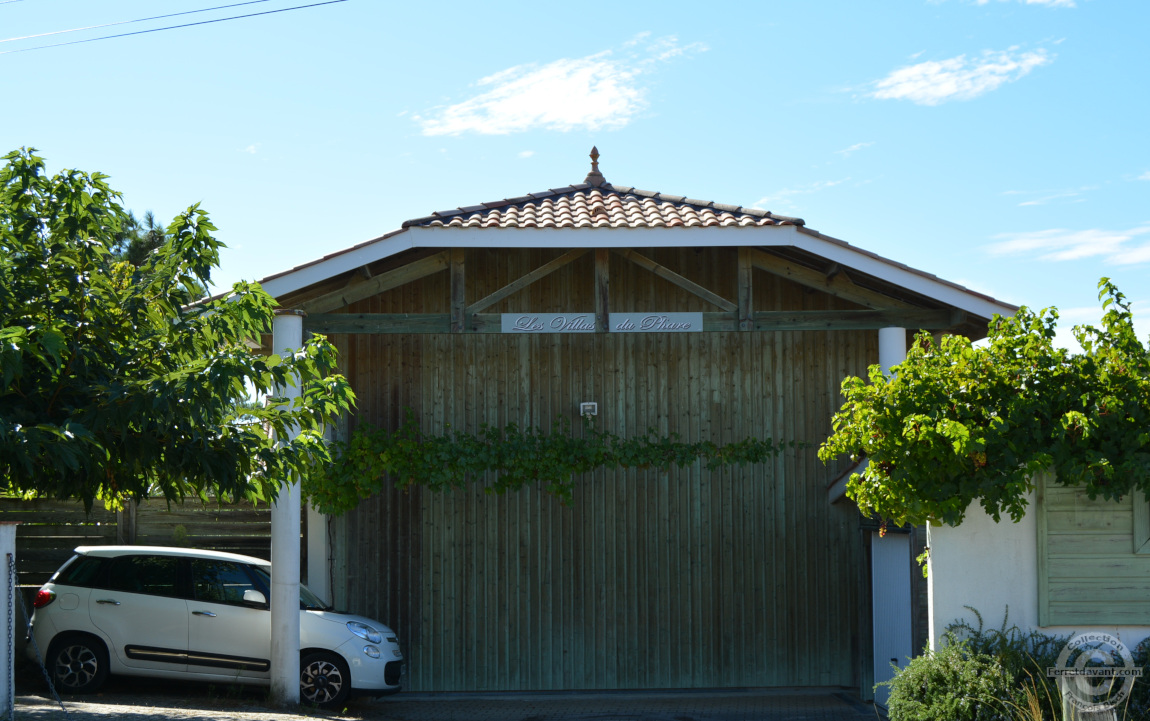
x,y
251,149
1042,197
846,152
639,37
783,197
526,153
1050,3
1144,176
1115,247
959,78
593,92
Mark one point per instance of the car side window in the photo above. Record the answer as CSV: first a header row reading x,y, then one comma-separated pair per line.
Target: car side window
x,y
153,575
220,581
83,571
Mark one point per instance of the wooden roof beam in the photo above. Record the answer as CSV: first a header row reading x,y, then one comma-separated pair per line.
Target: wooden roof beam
x,y
520,283
381,283
833,282
798,320
667,274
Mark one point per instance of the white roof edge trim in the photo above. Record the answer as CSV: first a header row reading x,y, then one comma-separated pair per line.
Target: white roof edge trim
x,y
904,277
340,263
424,237
775,235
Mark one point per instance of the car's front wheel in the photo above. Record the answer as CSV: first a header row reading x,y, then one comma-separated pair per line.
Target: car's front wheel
x,y
78,663
324,679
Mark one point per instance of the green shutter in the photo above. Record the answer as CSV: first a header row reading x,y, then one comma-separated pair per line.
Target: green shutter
x,y
1093,558
1141,523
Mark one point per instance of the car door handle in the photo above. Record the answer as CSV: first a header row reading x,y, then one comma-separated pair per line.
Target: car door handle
x,y
203,613
108,601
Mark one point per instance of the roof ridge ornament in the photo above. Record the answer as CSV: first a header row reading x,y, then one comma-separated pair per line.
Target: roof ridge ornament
x,y
595,178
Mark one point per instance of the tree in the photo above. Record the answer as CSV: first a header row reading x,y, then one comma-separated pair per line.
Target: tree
x,y
137,238
957,422
113,383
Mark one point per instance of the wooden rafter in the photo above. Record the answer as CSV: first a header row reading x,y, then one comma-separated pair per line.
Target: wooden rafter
x,y
602,289
836,283
458,286
521,283
669,275
353,292
746,295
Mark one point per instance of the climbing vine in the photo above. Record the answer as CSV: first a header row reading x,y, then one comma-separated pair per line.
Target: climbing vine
x,y
505,458
958,423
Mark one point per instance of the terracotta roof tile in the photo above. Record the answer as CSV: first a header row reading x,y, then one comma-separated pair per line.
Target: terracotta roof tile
x,y
606,206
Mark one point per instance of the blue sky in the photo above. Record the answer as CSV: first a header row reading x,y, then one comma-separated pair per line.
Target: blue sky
x,y
1000,144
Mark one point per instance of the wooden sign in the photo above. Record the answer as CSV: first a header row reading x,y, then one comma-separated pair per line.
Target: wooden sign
x,y
548,322
617,323
655,323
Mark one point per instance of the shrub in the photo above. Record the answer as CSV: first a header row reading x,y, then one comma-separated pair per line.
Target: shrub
x,y
1138,706
993,674
980,674
1025,656
954,683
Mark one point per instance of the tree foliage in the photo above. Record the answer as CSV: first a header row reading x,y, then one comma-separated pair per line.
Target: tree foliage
x,y
957,422
113,384
137,238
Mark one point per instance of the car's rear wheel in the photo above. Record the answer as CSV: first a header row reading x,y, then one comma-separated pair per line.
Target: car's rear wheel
x,y
78,663
324,679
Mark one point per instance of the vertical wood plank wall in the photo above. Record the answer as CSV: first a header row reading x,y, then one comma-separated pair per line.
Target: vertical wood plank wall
x,y
746,577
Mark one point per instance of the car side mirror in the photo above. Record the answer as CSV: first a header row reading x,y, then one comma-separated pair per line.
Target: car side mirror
x,y
254,597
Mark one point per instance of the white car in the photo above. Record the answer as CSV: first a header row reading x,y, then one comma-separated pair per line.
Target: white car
x,y
197,615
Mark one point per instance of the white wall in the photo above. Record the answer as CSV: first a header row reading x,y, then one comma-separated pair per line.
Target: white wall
x,y
989,566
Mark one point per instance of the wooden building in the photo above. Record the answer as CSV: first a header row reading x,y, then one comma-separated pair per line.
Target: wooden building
x,y
521,310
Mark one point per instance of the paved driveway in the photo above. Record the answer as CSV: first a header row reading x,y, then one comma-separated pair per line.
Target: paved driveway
x,y
737,705
136,700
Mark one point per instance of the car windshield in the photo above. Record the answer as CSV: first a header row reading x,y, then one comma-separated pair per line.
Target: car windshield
x,y
308,601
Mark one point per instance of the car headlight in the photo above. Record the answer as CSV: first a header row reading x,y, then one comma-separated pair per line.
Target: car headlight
x,y
367,633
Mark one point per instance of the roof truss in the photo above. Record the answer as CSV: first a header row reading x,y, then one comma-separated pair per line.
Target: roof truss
x,y
835,282
359,288
881,311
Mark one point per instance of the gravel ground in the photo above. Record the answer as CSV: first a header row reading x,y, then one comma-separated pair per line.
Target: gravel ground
x,y
137,699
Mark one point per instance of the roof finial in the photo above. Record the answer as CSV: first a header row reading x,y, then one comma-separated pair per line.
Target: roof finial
x,y
595,177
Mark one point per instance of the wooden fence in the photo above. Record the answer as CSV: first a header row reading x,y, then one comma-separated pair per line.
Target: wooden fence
x,y
49,530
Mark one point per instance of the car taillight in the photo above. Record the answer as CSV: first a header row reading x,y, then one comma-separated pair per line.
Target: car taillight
x,y
43,598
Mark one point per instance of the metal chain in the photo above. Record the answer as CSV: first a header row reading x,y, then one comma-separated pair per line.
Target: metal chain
x,y
32,639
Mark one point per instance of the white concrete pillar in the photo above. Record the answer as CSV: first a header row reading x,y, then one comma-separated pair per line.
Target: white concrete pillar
x,y
891,598
891,347
8,601
318,555
287,337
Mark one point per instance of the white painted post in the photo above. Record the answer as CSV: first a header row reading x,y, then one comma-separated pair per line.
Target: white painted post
x,y
287,337
891,347
9,602
891,600
317,555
